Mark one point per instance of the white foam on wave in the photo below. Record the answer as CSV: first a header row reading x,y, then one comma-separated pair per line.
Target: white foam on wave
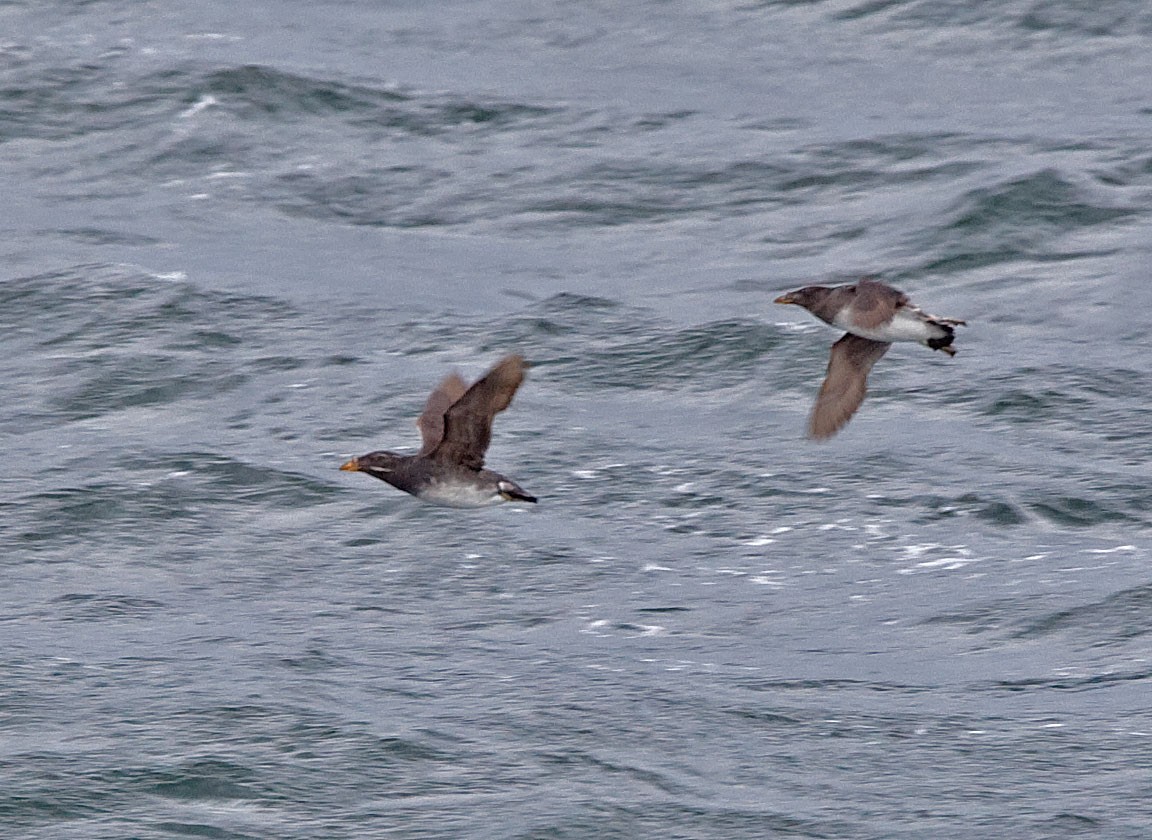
x,y
195,108
955,557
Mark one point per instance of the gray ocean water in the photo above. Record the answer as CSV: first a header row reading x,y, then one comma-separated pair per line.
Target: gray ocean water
x,y
241,242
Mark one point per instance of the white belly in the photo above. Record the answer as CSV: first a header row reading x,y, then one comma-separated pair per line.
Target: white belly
x,y
904,326
459,495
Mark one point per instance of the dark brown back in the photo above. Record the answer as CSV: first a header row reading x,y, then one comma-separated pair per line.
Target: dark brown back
x,y
875,302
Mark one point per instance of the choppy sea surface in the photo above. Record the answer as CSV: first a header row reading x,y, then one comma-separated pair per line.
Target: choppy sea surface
x,y
241,242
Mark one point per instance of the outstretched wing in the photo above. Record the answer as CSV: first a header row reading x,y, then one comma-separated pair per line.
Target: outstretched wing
x,y
468,423
431,420
875,303
845,384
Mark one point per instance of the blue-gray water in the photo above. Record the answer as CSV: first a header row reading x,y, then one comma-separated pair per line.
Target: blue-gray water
x,y
241,241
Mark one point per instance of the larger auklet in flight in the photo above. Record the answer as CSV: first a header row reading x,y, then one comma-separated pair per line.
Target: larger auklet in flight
x,y
874,315
456,426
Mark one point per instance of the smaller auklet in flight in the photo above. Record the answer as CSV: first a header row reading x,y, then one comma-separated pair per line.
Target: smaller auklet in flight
x,y
874,315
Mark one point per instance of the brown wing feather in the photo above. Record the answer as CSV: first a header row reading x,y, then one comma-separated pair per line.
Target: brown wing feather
x,y
845,385
875,303
431,420
468,423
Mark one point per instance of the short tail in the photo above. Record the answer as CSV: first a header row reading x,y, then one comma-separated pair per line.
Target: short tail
x,y
944,342
513,492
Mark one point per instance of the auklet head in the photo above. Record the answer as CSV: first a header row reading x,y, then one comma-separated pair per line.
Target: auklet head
x,y
808,297
379,464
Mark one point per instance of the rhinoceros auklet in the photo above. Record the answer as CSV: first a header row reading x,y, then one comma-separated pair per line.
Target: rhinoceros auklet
x,y
456,426
874,315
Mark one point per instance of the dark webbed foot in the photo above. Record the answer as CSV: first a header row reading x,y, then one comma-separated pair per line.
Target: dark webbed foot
x,y
943,343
